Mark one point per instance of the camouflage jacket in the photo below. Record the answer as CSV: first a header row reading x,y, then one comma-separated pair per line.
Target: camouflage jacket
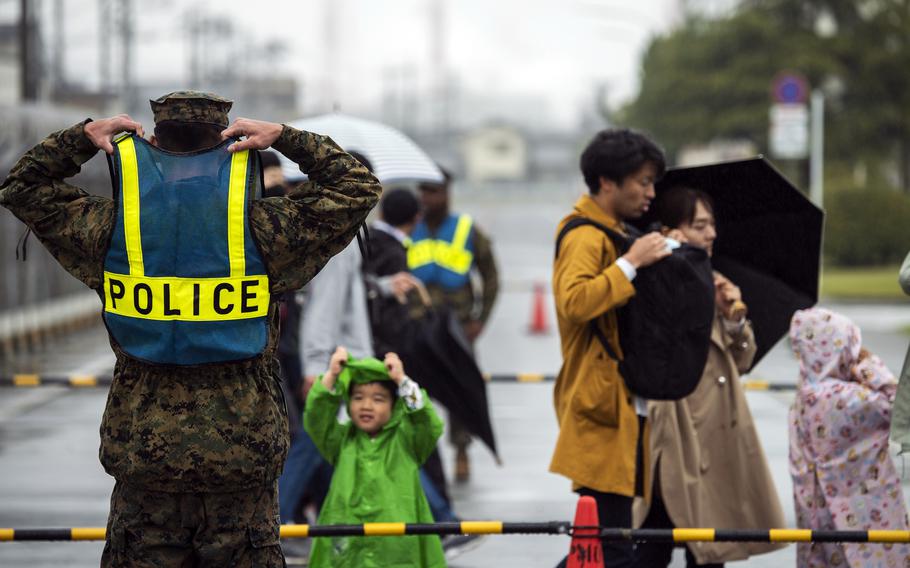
x,y
465,302
197,429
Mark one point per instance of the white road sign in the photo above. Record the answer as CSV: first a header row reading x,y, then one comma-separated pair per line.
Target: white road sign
x,y
789,134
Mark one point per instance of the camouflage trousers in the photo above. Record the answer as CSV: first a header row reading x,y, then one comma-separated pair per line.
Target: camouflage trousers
x,y
158,529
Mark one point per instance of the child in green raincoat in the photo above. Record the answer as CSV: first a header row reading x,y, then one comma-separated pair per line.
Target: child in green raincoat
x,y
377,455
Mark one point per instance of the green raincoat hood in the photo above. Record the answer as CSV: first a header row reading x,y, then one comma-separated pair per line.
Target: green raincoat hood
x,y
358,372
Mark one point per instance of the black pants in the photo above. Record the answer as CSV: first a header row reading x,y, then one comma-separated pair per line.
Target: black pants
x,y
615,511
659,554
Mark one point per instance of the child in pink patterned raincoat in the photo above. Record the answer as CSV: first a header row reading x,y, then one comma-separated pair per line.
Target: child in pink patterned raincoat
x,y
843,476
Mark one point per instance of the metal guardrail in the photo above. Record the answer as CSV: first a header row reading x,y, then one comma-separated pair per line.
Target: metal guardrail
x,y
28,326
681,535
32,380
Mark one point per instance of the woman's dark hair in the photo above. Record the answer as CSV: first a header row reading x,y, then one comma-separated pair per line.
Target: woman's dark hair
x,y
399,207
676,206
615,154
175,136
387,385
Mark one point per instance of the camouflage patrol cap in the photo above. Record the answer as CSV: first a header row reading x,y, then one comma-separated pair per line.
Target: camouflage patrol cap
x,y
192,106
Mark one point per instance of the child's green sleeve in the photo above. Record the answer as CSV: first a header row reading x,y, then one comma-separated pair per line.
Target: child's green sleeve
x,y
424,427
320,420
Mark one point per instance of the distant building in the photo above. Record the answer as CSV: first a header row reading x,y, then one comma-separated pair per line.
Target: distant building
x,y
495,153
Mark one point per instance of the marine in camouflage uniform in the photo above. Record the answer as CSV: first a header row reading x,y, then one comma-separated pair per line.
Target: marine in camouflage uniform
x,y
196,451
471,306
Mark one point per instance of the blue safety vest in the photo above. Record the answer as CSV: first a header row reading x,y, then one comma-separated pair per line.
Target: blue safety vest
x,y
184,283
444,259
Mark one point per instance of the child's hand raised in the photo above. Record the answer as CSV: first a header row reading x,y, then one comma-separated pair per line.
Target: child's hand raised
x,y
395,366
339,357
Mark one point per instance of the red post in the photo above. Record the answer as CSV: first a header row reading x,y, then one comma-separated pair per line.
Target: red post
x,y
586,550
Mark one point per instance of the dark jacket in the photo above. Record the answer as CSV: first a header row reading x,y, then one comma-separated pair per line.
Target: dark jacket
x,y
388,317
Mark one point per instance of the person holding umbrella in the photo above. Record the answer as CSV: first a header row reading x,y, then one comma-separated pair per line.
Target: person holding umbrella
x,y
446,249
704,440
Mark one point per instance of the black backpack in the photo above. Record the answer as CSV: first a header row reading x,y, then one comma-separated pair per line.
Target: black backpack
x,y
665,329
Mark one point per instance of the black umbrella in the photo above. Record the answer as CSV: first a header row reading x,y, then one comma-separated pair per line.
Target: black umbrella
x,y
769,238
437,354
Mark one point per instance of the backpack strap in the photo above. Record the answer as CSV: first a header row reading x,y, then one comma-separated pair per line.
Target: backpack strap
x,y
596,332
620,241
622,244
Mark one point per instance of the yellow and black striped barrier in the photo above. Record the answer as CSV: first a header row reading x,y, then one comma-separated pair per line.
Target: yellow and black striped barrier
x,y
753,535
311,531
643,536
77,381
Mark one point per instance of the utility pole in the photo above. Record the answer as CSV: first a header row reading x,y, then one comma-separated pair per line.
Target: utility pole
x,y
817,156
331,54
27,72
126,26
439,65
192,43
57,64
104,45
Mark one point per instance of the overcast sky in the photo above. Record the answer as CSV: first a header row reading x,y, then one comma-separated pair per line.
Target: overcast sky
x,y
555,51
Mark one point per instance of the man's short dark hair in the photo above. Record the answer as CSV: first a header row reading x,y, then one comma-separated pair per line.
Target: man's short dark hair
x,y
175,136
447,178
399,207
615,154
676,206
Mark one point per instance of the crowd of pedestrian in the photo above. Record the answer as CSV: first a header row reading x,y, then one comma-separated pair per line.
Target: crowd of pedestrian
x,y
696,460
261,353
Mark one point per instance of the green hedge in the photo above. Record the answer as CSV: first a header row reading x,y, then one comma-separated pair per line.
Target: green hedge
x,y
866,227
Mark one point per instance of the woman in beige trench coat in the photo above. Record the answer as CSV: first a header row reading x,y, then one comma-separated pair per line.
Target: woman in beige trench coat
x,y
708,467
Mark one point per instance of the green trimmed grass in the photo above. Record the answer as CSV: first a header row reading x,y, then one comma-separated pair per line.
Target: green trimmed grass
x,y
862,283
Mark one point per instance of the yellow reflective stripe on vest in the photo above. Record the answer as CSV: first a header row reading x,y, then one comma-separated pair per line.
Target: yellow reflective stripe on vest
x,y
236,207
130,190
451,256
462,231
186,299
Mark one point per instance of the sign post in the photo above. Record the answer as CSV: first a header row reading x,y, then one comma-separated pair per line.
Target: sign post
x,y
817,159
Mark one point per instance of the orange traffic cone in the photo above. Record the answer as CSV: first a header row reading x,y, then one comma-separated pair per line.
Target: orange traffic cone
x,y
539,325
586,550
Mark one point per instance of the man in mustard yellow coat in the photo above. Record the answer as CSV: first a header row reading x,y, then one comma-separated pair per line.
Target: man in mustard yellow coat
x,y
601,424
